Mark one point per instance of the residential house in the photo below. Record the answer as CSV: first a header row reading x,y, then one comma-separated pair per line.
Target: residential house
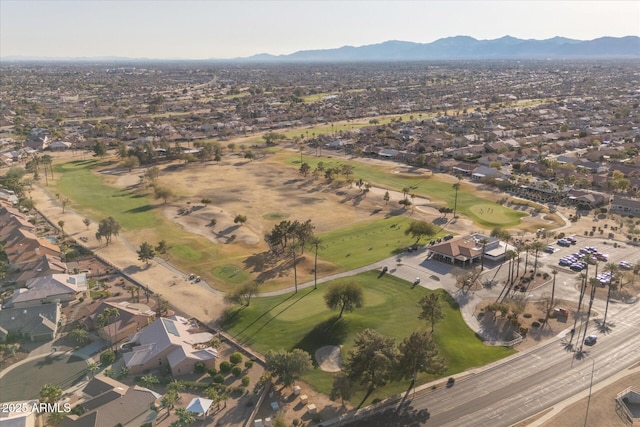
x,y
587,198
37,139
19,417
43,266
10,225
625,206
60,145
39,323
47,289
108,402
169,342
131,318
8,197
483,172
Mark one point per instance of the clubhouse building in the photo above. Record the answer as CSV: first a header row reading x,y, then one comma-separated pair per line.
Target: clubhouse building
x,y
464,251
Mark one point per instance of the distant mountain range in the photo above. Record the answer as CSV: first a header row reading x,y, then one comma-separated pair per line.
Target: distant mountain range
x,y
464,47
450,48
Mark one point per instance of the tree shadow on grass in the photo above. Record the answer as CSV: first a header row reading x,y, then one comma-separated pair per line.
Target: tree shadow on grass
x,y
140,209
245,336
332,331
267,265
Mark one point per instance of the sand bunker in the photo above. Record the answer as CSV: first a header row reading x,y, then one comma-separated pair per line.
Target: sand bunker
x,y
197,219
329,358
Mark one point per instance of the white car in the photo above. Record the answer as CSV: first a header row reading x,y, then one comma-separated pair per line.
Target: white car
x,y
625,265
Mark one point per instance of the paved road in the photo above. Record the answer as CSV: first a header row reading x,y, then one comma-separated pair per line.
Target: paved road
x,y
522,385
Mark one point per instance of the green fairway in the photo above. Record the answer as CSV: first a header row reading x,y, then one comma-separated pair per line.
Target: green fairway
x,y
366,242
88,193
302,320
431,187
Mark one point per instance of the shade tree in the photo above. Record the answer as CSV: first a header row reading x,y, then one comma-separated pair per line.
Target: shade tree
x,y
345,296
288,366
372,359
431,309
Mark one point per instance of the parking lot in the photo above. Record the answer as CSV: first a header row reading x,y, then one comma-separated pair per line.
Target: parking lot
x,y
616,253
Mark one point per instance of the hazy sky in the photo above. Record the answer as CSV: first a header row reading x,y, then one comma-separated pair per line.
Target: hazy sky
x,y
229,29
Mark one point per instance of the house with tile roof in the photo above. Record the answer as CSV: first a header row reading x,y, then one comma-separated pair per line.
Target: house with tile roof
x,y
108,402
625,205
39,323
169,342
43,266
132,317
60,288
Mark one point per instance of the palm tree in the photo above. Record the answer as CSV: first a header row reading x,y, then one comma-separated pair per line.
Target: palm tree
x,y
527,248
456,186
613,269
92,368
61,225
483,242
537,246
317,244
149,380
553,285
107,318
594,284
47,160
553,292
519,248
582,280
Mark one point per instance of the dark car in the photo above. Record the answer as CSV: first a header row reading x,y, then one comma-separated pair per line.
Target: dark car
x,y
447,237
591,340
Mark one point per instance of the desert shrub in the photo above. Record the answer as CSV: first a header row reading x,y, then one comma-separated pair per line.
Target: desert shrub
x,y
527,315
248,364
225,367
218,379
245,381
236,371
235,358
199,367
535,325
212,372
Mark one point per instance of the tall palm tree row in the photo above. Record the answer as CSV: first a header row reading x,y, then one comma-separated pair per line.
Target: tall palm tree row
x,y
614,270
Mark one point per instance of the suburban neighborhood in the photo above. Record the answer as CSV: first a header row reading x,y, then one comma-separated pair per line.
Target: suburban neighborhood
x,y
311,244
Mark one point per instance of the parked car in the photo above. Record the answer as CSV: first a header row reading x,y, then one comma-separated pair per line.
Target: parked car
x,y
577,266
625,265
550,249
602,257
571,240
563,242
447,237
591,339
